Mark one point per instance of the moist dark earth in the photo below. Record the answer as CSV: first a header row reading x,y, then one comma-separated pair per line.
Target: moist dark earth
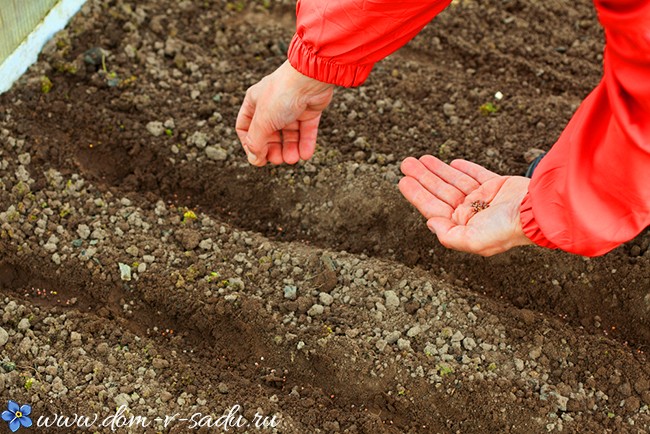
x,y
313,293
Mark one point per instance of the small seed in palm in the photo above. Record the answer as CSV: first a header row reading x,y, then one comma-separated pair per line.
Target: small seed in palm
x,y
479,205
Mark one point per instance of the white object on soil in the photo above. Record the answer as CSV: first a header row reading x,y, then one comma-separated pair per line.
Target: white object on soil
x,y
27,52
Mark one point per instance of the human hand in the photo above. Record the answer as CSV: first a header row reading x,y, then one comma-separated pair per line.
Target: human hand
x,y
468,207
278,120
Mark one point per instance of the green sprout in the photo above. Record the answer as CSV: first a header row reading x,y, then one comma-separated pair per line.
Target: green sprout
x,y
213,275
29,383
444,370
189,215
488,108
237,6
46,84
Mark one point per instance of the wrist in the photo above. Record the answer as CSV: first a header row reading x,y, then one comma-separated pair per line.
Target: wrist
x,y
304,84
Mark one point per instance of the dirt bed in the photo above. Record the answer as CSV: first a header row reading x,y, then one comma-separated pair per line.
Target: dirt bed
x,y
311,293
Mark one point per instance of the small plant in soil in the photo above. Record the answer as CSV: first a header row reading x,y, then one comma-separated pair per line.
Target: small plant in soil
x,y
444,370
46,84
488,108
188,215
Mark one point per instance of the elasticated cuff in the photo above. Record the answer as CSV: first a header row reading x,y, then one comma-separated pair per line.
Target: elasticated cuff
x,y
530,226
304,60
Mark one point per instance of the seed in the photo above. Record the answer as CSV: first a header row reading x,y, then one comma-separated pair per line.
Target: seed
x,y
479,205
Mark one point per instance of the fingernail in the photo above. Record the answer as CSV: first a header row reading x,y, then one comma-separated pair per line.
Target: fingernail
x,y
252,158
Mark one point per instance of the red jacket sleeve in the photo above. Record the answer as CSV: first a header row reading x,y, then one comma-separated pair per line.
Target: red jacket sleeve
x,y
339,41
591,192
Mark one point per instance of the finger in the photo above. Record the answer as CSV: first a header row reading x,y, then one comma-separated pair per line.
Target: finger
x,y
261,132
458,179
425,202
243,126
449,234
441,189
308,136
290,138
244,118
479,173
274,154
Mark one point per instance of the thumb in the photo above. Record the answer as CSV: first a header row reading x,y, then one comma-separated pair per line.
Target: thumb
x,y
443,228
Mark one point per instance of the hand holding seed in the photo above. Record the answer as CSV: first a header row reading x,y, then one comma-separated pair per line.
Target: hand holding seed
x,y
278,120
468,207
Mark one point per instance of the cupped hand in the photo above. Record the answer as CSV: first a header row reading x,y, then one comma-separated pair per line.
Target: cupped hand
x,y
468,207
278,120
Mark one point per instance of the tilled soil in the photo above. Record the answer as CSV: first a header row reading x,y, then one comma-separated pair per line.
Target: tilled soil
x,y
314,293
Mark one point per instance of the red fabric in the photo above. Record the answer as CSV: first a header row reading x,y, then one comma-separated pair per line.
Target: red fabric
x,y
591,192
339,41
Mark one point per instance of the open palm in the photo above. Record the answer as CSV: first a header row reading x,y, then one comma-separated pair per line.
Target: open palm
x,y
468,207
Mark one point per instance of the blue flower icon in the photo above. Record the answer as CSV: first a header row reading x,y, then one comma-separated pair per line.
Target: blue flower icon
x,y
16,415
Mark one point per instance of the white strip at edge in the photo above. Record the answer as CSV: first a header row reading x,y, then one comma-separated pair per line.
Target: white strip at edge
x,y
27,52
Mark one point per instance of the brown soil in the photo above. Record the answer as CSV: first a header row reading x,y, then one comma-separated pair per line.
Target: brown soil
x,y
543,56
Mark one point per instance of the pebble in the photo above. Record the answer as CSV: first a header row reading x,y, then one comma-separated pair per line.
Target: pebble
x,y
449,109
198,139
325,299
23,324
519,364
392,300
222,388
149,259
414,331
125,272
156,128
457,337
632,404
392,337
4,336
133,251
25,159
403,344
532,153
188,238
50,247
75,339
159,363
290,292
430,350
83,231
216,153
316,310
122,400
206,244
469,344
535,353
